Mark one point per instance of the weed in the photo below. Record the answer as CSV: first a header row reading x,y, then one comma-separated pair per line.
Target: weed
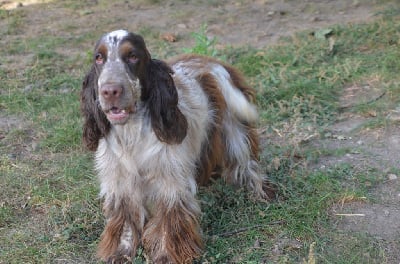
x,y
203,44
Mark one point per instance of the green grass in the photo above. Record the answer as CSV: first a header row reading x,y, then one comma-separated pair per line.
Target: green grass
x,y
49,210
275,221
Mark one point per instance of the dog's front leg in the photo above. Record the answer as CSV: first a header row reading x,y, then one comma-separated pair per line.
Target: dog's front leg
x,y
121,235
172,234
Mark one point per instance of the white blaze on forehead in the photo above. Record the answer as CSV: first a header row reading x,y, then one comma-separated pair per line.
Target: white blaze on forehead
x,y
116,36
112,40
120,33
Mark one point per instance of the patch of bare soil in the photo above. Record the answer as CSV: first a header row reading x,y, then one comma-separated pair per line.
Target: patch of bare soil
x,y
368,149
256,23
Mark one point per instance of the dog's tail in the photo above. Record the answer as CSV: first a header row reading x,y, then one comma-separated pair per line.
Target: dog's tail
x,y
238,96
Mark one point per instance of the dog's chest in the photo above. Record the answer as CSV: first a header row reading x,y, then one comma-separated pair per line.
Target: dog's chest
x,y
135,144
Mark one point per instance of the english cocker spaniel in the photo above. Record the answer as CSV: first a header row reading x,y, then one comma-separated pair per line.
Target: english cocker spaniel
x,y
158,129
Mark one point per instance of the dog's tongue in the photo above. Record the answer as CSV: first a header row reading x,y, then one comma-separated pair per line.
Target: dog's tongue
x,y
116,110
117,114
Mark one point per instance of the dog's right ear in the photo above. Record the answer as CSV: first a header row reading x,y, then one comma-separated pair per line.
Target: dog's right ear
x,y
95,124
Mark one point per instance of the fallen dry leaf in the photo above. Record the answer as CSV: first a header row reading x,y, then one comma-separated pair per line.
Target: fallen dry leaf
x,y
170,37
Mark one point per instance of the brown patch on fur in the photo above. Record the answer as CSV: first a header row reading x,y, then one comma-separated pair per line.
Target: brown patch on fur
x,y
237,77
126,48
111,237
254,142
172,235
102,49
213,150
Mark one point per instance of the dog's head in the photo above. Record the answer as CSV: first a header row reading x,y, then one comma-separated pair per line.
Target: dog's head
x,y
120,62
125,79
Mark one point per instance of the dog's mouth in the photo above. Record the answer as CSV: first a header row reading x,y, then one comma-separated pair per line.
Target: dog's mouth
x,y
118,115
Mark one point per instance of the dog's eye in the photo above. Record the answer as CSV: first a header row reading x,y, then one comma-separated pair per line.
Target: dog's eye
x,y
99,58
132,58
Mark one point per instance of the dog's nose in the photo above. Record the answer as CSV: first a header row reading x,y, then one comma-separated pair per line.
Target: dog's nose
x,y
111,92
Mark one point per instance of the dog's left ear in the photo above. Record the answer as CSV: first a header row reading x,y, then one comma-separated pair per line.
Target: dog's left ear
x,y
168,122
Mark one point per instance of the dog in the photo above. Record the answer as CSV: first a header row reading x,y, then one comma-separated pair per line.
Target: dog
x,y
158,130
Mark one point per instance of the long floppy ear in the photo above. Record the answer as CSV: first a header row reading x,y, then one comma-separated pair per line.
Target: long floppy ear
x,y
168,122
95,124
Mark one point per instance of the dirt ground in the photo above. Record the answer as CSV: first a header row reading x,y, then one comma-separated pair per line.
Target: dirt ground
x,y
256,23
